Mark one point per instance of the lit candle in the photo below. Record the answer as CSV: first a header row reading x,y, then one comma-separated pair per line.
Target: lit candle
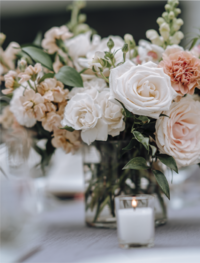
x,y
135,225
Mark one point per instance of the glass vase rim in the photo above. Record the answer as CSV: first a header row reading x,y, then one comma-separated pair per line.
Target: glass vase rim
x,y
137,197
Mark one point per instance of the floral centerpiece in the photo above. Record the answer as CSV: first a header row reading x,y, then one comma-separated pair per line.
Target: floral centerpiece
x,y
139,105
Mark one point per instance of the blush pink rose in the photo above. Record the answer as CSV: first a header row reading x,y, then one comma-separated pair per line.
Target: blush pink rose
x,y
179,135
183,68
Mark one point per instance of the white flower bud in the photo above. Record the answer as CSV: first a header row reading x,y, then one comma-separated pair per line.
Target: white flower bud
x,y
80,4
165,15
167,7
130,41
82,18
176,38
164,31
160,20
22,64
177,11
177,23
171,15
2,38
154,37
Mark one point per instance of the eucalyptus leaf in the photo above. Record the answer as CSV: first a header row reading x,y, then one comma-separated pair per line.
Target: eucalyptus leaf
x,y
143,119
38,39
137,163
168,161
70,129
38,55
162,182
129,146
153,149
140,138
128,114
194,41
69,76
163,115
46,76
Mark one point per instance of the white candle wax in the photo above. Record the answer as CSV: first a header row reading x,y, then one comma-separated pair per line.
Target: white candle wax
x,y
136,226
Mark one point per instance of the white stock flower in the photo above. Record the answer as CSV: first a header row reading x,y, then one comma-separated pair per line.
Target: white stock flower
x,y
19,111
80,45
179,135
102,47
143,89
82,113
148,52
154,37
112,113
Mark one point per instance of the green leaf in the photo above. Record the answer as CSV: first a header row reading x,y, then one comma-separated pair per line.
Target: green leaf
x,y
194,41
143,119
69,76
38,39
127,114
38,55
46,76
168,161
140,138
163,115
137,163
199,164
129,146
153,149
162,181
67,128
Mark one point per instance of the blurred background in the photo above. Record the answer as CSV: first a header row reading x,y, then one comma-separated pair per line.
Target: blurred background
x,y
21,20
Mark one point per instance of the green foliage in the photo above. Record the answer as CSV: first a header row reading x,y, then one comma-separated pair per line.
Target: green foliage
x,y
163,115
38,39
38,55
140,138
69,76
168,161
70,129
162,182
153,149
137,163
46,76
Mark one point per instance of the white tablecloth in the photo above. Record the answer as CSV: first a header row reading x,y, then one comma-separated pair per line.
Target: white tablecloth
x,y
65,238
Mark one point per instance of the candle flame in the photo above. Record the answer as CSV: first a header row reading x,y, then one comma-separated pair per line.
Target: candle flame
x,y
134,203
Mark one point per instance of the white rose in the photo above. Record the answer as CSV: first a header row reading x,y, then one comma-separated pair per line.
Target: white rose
x,y
112,113
19,111
179,135
143,89
82,113
92,87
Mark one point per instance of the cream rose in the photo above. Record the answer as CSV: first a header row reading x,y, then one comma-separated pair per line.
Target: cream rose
x,y
179,135
82,113
112,113
143,89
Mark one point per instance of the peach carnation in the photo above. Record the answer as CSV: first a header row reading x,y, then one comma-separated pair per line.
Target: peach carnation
x,y
183,69
68,141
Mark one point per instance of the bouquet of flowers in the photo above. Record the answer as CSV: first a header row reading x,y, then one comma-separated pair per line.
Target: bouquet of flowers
x,y
73,87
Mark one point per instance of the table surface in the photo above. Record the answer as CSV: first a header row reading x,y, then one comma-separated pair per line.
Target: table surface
x,y
65,238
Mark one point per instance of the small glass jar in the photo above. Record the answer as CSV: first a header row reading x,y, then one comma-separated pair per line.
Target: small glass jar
x,y
135,220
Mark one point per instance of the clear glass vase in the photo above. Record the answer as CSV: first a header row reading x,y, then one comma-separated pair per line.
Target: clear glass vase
x,y
105,179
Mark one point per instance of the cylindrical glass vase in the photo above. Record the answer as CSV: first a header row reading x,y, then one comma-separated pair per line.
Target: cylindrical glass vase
x,y
105,179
